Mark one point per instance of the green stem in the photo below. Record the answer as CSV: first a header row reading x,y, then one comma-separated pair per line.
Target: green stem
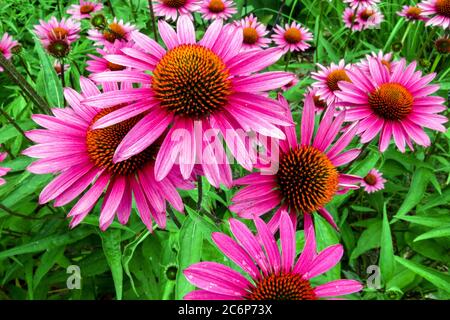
x,y
430,36
316,55
200,193
292,10
173,217
13,122
12,213
111,7
406,33
22,62
288,59
152,17
27,89
63,80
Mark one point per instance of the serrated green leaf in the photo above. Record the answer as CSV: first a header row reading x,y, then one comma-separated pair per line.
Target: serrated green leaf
x,y
111,248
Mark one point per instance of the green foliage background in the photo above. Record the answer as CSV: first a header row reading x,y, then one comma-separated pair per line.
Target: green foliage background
x,y
405,229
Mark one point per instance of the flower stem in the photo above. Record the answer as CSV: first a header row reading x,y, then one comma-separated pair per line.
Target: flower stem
x,y
111,7
152,17
292,10
63,80
200,193
13,122
27,89
173,217
406,33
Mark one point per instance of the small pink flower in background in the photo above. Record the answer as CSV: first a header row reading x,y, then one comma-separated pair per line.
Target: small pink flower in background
x,y
369,17
373,181
254,33
84,9
3,171
6,44
171,9
58,69
217,9
438,12
307,177
412,13
66,29
292,37
350,20
273,273
98,64
319,104
361,3
81,157
227,93
115,31
328,79
385,59
393,104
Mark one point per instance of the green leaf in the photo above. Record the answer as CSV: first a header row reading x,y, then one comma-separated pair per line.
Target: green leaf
x,y
48,243
435,233
428,221
439,279
47,260
419,183
387,262
52,85
128,253
111,248
369,239
191,243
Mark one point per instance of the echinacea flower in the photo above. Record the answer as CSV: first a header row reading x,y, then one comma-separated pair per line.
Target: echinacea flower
x,y
58,67
319,104
98,64
439,10
84,9
81,157
328,79
66,29
373,181
201,90
3,171
254,33
396,103
307,176
361,3
57,36
292,37
270,273
115,31
350,20
171,9
217,9
412,13
369,17
384,58
442,45
6,44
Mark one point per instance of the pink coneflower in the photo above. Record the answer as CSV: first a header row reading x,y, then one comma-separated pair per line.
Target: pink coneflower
x,y
396,103
6,44
412,13
385,59
319,104
66,29
350,20
369,17
439,9
84,9
115,31
328,79
442,45
170,9
99,64
292,37
373,181
217,9
254,33
361,3
195,88
3,171
81,156
307,177
274,274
